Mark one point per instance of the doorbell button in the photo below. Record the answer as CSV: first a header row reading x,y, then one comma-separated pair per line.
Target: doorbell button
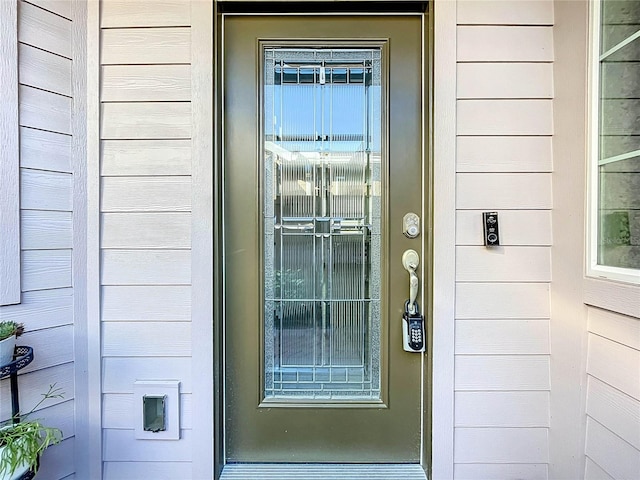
x,y
490,226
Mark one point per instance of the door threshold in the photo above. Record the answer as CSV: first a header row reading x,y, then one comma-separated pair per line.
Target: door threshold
x,y
322,471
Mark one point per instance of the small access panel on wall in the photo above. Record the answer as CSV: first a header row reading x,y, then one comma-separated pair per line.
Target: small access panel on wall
x,y
157,409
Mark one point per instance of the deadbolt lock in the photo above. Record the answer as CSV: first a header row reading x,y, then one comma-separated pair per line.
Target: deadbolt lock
x,y
411,225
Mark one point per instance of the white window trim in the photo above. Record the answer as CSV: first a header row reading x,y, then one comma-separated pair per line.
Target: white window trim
x,y
593,269
9,156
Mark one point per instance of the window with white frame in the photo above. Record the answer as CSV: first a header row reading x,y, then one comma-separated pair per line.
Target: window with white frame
x,y
615,133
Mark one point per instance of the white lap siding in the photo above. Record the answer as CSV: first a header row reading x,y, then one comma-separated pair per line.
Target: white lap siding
x,y
613,395
46,57
504,161
145,228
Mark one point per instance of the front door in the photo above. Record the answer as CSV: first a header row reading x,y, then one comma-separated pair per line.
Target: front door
x,y
323,141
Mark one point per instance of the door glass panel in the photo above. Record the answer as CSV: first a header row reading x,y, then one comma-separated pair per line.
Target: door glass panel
x,y
322,131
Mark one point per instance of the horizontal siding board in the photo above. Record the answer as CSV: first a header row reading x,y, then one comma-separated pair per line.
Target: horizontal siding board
x,y
624,298
594,472
45,269
54,346
40,190
59,7
502,337
45,110
120,373
503,264
144,267
505,117
144,303
502,409
118,411
516,300
504,80
517,227
121,446
501,445
610,452
44,30
144,46
504,44
614,364
157,470
45,150
144,13
146,157
504,154
499,12
500,471
620,413
146,230
43,230
501,372
34,384
42,309
619,328
146,120
61,416
55,462
508,191
145,83
44,70
151,194
146,339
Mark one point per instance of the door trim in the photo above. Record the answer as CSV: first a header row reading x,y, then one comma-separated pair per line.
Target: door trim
x,y
443,147
426,247
205,228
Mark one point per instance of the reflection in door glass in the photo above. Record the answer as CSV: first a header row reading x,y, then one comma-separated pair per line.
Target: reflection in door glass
x,y
322,214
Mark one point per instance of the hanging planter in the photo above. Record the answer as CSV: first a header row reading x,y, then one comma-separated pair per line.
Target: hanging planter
x,y
9,332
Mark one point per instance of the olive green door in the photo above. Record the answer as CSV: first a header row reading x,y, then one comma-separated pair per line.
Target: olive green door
x,y
322,157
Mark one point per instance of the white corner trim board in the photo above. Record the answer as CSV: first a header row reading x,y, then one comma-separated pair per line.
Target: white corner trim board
x,y
9,157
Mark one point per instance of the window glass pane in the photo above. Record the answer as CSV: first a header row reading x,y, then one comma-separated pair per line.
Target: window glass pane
x,y
619,20
322,223
619,152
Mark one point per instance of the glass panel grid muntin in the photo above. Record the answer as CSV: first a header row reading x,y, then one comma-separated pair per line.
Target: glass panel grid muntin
x,y
618,171
328,180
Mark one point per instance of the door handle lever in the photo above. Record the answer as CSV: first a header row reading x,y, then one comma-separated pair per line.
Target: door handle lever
x,y
413,290
410,261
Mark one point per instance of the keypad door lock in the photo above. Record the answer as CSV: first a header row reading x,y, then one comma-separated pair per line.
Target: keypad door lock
x,y
411,225
412,321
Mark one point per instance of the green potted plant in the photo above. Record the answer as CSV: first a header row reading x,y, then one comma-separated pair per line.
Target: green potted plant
x,y
22,442
9,332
